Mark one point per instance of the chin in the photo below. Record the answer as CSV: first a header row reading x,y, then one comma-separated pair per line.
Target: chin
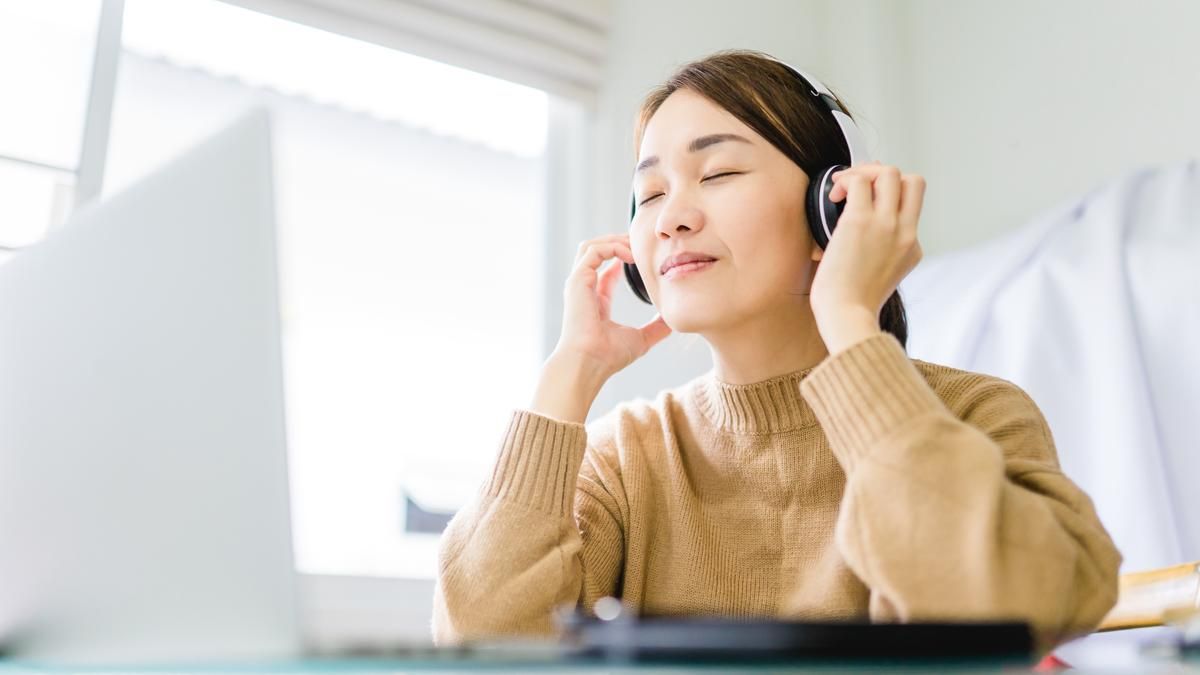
x,y
693,315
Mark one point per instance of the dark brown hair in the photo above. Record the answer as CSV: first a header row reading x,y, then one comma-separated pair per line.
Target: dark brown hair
x,y
770,98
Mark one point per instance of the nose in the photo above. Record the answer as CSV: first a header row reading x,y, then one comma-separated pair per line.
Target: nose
x,y
678,216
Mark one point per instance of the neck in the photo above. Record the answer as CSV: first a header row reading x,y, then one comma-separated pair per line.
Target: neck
x,y
767,345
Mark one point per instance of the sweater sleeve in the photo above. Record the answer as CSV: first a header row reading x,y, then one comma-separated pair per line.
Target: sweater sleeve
x,y
541,533
949,518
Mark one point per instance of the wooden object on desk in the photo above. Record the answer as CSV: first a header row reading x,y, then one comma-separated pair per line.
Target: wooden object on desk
x,y
1155,597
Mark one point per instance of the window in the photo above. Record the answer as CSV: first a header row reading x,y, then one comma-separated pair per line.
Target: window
x,y
46,51
410,201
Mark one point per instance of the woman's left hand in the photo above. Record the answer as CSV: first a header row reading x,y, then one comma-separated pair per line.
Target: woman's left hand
x,y
873,247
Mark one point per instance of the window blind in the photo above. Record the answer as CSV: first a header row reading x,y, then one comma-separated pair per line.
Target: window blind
x,y
555,45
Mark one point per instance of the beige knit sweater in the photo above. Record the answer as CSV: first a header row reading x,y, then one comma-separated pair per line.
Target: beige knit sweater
x,y
871,485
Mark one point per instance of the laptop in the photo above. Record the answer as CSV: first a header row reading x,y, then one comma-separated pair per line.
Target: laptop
x,y
144,513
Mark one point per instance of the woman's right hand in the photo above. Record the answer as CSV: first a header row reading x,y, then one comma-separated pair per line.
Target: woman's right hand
x,y
592,347
588,330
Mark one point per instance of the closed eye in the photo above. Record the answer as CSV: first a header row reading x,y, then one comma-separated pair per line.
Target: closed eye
x,y
716,175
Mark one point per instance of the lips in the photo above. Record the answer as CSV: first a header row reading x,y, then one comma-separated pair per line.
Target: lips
x,y
687,269
683,258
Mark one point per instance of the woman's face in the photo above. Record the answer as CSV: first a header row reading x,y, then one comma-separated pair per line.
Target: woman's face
x,y
750,221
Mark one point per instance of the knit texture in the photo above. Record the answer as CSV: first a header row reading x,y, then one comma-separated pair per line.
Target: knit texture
x,y
871,486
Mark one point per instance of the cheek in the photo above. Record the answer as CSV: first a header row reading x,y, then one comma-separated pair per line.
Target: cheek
x,y
770,248
643,251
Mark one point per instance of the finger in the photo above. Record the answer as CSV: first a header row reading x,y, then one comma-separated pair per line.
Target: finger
x,y
858,193
583,246
608,278
872,169
655,331
912,197
838,192
608,238
595,255
887,193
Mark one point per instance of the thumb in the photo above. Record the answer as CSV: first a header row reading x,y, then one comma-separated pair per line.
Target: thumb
x,y
655,331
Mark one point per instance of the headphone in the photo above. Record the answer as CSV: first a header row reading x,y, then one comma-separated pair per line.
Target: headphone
x,y
822,212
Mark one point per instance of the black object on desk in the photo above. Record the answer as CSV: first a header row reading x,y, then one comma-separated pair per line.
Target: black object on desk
x,y
716,639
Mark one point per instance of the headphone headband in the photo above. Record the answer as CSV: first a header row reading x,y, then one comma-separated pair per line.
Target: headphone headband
x,y
850,131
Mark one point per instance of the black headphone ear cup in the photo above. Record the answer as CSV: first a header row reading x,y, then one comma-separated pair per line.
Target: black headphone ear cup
x,y
632,276
822,212
635,283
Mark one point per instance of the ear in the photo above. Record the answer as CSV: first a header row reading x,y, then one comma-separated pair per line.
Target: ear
x,y
817,252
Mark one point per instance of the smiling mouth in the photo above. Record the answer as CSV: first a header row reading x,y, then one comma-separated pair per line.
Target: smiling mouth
x,y
688,268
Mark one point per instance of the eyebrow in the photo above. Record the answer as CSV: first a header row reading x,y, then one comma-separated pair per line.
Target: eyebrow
x,y
695,146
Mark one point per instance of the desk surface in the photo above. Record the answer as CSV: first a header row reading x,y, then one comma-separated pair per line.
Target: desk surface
x,y
372,666
1123,652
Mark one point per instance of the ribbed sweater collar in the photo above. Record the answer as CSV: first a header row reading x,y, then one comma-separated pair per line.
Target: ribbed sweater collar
x,y
770,406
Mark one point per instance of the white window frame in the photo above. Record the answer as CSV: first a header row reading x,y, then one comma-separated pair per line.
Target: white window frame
x,y
88,171
93,151
5,250
352,611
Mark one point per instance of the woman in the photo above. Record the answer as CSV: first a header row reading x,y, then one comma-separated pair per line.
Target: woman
x,y
816,472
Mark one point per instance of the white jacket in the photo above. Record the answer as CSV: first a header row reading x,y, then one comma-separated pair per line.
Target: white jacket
x,y
1094,309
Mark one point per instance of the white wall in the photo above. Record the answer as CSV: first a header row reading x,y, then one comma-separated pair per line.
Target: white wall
x,y
1005,107
1024,103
